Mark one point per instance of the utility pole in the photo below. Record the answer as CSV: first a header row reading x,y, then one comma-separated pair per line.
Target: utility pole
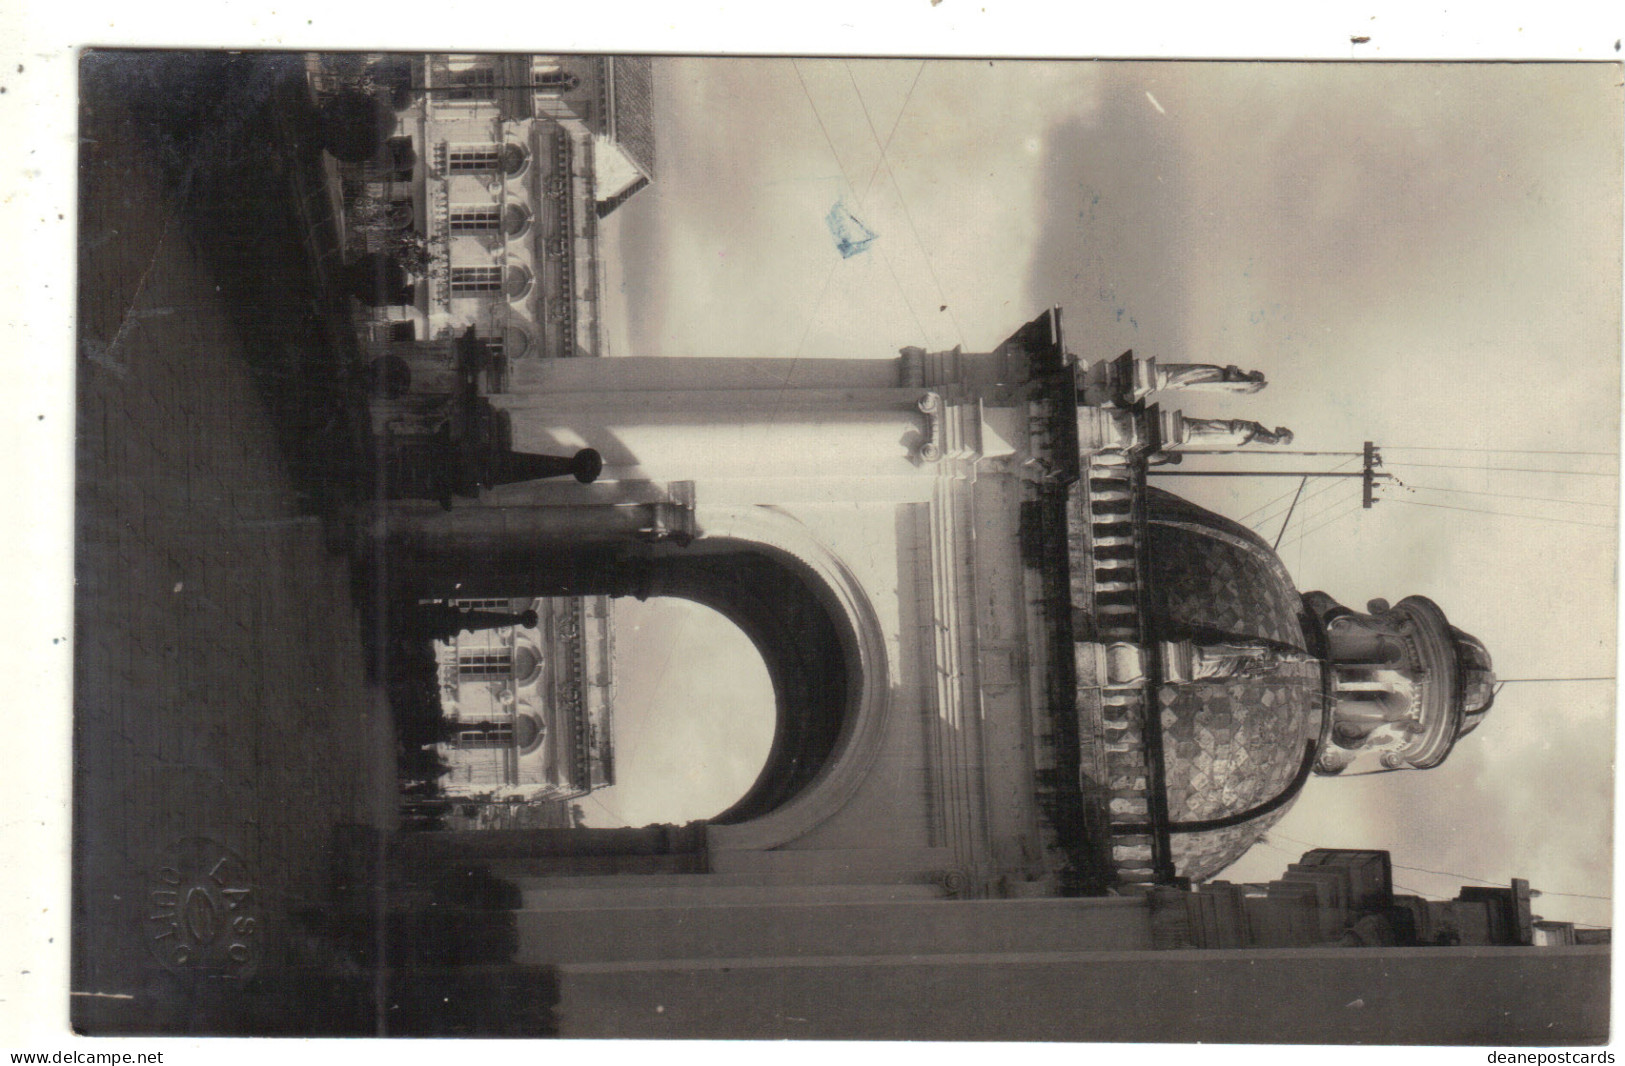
x,y
1368,475
1371,459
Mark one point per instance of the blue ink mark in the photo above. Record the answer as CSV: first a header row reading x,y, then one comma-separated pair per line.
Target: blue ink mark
x,y
1119,314
851,236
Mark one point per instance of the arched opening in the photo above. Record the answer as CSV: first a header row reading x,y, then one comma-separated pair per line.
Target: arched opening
x,y
693,716
808,631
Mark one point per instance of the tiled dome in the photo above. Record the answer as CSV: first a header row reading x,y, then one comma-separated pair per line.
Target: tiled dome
x,y
1232,744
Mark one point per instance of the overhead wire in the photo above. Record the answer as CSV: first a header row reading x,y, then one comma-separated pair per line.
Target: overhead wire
x,y
908,215
1347,508
1514,496
1262,506
1288,520
1331,484
1451,873
1493,451
818,303
875,134
1321,491
1508,469
606,809
1502,514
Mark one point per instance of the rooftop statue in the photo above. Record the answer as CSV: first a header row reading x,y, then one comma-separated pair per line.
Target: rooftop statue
x,y
1190,662
1230,433
1208,377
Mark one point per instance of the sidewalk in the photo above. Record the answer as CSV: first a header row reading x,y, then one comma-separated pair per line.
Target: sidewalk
x,y
222,711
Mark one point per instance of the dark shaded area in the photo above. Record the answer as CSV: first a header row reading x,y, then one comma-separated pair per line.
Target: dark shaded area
x,y
222,688
1074,808
433,944
237,140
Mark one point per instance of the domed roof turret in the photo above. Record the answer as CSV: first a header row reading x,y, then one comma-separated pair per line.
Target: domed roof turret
x,y
1407,684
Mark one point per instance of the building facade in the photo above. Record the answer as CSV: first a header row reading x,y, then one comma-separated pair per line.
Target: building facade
x,y
1028,708
481,207
529,709
957,572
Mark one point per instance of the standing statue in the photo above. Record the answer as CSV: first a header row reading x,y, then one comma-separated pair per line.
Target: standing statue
x,y
1186,662
1230,433
1222,662
1209,377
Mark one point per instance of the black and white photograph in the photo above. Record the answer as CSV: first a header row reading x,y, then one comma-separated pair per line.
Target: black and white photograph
x,y
800,547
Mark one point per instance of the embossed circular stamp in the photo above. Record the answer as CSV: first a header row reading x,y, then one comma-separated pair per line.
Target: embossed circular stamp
x,y
203,910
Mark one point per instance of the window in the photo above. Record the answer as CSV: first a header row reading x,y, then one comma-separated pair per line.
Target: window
x,y
480,219
494,735
403,331
471,85
468,158
485,665
557,83
476,279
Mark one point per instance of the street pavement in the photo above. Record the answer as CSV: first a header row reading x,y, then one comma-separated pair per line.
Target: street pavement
x,y
224,729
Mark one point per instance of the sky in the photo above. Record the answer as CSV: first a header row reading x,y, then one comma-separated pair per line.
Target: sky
x,y
1422,255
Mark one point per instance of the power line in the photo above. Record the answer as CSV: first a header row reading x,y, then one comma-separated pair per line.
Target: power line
x,y
1515,469
1276,546
1495,451
908,216
1513,496
1452,873
812,316
819,118
1332,484
605,808
1261,455
874,133
1284,495
1287,851
873,174
1338,517
1574,895
1320,510
1264,506
879,163
1506,514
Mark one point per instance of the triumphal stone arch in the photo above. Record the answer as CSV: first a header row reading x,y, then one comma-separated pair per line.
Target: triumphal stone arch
x,y
1006,669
